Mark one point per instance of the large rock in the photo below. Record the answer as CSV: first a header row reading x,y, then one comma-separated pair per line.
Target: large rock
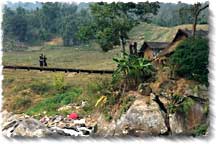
x,y
200,91
22,125
142,119
185,122
105,128
144,89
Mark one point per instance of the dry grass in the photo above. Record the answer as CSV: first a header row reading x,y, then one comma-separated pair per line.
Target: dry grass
x,y
17,84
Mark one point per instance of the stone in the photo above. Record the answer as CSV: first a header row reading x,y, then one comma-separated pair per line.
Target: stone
x,y
104,128
21,125
167,85
185,122
144,89
200,91
65,108
142,119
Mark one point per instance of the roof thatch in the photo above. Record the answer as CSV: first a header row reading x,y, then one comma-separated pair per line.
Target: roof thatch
x,y
185,32
154,45
189,33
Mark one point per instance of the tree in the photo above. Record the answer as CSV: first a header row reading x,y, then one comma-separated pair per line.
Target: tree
x,y
69,29
116,19
86,27
191,59
194,10
50,14
15,24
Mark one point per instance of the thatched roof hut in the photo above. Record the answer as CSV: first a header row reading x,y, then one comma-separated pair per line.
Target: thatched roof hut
x,y
151,49
180,35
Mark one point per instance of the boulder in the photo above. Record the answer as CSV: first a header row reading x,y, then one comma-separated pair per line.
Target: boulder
x,y
142,119
23,125
200,91
185,121
104,128
144,89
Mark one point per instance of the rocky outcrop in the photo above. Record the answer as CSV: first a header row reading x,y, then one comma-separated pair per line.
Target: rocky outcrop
x,y
23,125
150,115
187,118
142,119
104,128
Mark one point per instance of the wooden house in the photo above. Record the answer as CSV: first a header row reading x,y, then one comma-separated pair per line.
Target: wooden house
x,y
150,50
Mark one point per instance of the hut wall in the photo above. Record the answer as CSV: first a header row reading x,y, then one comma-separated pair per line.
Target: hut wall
x,y
148,53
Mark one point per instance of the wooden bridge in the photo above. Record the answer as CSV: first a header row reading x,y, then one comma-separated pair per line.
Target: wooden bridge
x,y
58,69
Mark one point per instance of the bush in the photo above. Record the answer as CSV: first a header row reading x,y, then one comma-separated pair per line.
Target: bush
x,y
133,69
185,106
191,59
59,82
200,130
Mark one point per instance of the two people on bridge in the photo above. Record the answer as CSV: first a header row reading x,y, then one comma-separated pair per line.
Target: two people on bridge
x,y
43,60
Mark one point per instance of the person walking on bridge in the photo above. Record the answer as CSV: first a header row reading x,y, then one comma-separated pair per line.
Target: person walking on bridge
x,y
45,61
41,60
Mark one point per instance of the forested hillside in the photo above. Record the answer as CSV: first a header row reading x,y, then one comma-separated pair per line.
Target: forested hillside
x,y
31,24
170,14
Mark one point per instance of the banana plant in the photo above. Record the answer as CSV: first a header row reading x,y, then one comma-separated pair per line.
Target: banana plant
x,y
132,68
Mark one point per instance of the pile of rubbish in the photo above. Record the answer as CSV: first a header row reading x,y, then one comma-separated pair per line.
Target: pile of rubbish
x,y
70,126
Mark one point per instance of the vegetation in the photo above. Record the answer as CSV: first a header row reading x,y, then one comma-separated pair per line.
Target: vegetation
x,y
59,82
185,106
22,102
125,104
132,70
170,14
191,59
38,87
155,33
102,22
175,101
112,20
194,11
51,104
39,25
201,130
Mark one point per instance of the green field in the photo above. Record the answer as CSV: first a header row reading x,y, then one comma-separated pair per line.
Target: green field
x,y
22,90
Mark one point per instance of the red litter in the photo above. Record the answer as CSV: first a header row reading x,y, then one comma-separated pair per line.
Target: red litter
x,y
73,116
